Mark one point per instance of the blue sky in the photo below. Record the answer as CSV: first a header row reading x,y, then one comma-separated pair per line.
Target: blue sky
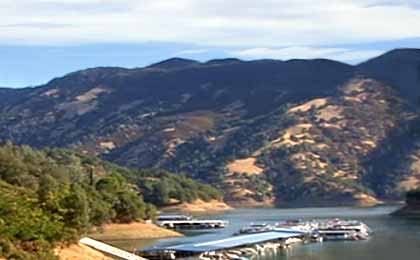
x,y
43,39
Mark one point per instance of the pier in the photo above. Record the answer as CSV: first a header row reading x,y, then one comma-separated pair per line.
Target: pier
x,y
108,249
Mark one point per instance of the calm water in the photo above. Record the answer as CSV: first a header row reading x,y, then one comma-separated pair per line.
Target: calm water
x,y
394,238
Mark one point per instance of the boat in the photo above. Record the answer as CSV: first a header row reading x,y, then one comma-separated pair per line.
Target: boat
x,y
297,225
248,251
338,234
254,228
231,255
337,229
188,222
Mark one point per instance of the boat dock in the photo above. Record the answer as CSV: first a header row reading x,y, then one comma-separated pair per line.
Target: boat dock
x,y
228,248
192,224
256,239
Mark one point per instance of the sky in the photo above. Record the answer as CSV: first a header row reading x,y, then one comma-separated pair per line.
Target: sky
x,y
43,39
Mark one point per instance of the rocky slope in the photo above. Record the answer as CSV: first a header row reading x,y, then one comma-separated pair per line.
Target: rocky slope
x,y
266,131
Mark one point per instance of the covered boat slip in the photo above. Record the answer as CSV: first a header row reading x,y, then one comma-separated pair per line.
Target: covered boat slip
x,y
228,243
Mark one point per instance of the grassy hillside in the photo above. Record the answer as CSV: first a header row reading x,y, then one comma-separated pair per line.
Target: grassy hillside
x,y
323,151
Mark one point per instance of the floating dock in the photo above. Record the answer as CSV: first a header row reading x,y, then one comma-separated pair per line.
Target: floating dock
x,y
258,240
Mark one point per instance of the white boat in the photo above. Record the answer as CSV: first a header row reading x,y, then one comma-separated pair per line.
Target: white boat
x,y
344,230
254,228
338,234
249,251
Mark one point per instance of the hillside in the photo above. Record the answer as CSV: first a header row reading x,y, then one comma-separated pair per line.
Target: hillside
x,y
399,68
297,132
52,197
411,209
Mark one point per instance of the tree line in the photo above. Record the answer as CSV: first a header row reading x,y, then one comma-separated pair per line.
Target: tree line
x,y
54,196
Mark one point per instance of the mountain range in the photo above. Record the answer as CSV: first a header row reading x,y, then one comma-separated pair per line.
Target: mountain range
x,y
267,132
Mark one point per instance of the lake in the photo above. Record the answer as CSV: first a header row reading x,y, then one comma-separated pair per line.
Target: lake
x,y
393,238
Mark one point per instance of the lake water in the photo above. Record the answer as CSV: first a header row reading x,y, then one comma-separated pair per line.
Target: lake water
x,y
393,238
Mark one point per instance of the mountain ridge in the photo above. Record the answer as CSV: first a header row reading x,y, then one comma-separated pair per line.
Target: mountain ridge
x,y
204,119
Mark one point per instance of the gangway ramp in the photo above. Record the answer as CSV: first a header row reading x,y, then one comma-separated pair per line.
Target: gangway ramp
x,y
111,250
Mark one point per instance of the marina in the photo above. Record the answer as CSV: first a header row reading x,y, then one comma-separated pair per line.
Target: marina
x,y
390,237
260,238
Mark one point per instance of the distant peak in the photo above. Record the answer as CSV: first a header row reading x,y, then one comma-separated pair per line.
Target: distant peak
x,y
174,63
223,61
409,53
317,61
404,51
396,55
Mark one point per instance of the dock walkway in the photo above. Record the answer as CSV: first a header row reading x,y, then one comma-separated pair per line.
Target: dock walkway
x,y
100,246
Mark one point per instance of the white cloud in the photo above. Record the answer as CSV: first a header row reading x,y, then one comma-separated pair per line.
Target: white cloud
x,y
191,52
287,53
270,23
356,56
341,54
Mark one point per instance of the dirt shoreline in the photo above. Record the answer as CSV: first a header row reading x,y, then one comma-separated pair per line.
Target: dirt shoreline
x,y
80,252
132,231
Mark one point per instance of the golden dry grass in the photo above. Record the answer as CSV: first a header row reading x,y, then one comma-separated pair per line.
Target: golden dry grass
x,y
134,230
365,200
80,252
107,145
200,206
409,183
246,165
329,113
308,105
90,95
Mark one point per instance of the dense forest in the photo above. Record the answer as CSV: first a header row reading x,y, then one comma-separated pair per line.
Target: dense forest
x,y
54,196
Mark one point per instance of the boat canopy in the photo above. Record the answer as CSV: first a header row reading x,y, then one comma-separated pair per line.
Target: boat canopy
x,y
228,243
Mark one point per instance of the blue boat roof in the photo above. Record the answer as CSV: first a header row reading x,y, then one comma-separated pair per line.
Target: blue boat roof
x,y
228,243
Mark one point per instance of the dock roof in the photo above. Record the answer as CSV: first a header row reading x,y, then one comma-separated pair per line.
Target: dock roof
x,y
228,243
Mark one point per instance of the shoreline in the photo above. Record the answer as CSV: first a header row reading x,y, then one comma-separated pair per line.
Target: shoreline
x,y
132,231
113,232
79,251
408,211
